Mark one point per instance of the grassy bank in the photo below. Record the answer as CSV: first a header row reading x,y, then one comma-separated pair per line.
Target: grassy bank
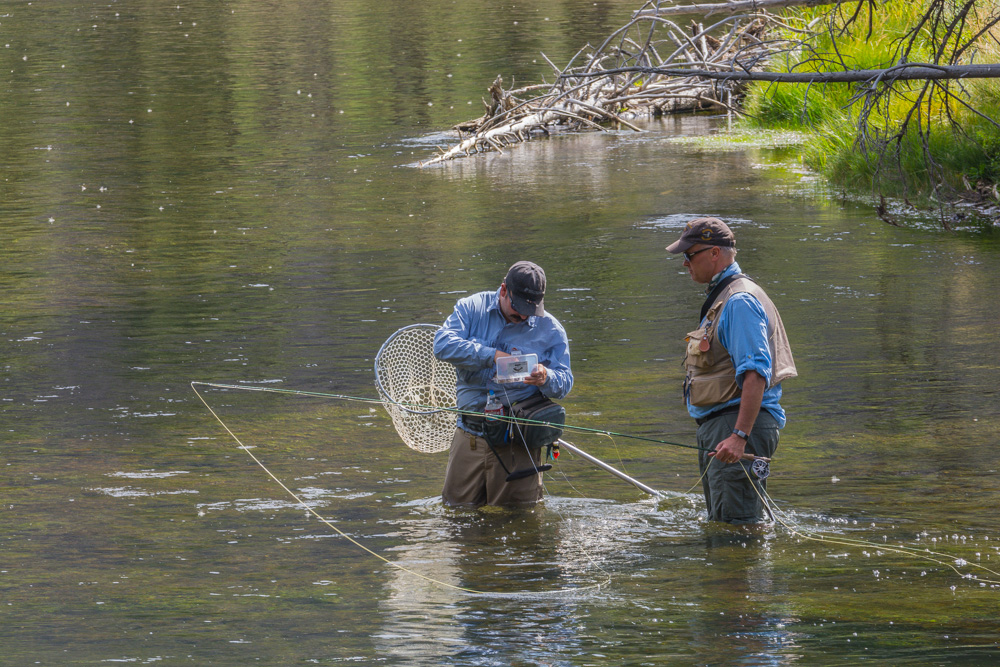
x,y
922,141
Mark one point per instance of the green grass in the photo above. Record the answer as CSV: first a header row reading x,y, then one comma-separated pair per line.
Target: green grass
x,y
741,139
966,154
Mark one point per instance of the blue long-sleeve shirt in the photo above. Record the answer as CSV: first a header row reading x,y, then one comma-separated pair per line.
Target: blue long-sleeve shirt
x,y
742,330
477,329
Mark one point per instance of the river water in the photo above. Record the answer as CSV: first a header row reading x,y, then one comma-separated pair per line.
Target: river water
x,y
227,192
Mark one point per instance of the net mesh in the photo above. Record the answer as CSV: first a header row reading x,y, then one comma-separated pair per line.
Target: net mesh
x,y
417,390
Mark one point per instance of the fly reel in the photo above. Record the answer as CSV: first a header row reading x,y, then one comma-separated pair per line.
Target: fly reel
x,y
761,468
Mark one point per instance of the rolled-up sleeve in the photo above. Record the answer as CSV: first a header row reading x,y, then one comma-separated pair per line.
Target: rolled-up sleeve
x,y
560,377
743,332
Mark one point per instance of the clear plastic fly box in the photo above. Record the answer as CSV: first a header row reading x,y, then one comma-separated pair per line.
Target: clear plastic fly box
x,y
516,368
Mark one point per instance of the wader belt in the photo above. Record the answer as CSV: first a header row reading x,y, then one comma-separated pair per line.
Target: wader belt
x,y
474,423
718,413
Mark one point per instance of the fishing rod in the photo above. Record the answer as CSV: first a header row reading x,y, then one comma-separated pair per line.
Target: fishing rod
x,y
419,408
760,465
943,560
608,468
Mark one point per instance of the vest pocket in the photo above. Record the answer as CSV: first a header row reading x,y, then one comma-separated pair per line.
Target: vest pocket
x,y
695,356
705,390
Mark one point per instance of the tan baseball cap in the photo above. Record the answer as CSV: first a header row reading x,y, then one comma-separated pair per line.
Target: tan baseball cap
x,y
707,231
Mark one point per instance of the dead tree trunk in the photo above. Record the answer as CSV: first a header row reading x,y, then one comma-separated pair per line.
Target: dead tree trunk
x,y
740,6
904,72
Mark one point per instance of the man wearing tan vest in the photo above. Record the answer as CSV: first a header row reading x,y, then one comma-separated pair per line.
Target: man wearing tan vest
x,y
735,362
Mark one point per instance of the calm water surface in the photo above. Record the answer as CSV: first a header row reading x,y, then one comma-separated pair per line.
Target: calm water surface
x,y
226,192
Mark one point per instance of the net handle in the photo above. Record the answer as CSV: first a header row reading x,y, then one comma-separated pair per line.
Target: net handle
x,y
382,391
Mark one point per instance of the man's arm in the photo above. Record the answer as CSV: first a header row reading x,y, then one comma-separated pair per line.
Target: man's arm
x,y
453,341
556,379
731,449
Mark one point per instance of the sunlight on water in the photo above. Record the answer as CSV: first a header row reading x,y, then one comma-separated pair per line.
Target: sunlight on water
x,y
240,201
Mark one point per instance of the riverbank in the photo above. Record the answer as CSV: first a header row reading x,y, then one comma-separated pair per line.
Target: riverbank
x,y
932,145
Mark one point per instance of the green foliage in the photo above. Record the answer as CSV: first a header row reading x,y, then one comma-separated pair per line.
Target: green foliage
x,y
792,106
964,147
984,134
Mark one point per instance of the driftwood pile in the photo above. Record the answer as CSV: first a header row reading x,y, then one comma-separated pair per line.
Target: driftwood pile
x,y
590,93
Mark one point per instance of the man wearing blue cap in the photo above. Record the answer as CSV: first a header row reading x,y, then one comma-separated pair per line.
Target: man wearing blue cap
x,y
483,328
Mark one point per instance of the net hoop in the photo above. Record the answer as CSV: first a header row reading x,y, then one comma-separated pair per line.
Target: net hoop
x,y
417,389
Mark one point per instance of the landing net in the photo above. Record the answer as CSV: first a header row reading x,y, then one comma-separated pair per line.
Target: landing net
x,y
408,374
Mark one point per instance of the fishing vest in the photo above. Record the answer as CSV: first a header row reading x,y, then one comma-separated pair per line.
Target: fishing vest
x,y
711,375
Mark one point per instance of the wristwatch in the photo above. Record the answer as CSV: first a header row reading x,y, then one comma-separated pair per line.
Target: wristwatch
x,y
741,434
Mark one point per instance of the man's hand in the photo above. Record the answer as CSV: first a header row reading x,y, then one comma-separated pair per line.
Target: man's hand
x,y
729,450
538,376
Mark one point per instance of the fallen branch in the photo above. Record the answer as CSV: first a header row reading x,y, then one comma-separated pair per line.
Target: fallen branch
x,y
731,7
614,84
905,72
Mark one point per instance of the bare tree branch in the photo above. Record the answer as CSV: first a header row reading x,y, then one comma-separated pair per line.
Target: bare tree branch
x,y
904,72
737,7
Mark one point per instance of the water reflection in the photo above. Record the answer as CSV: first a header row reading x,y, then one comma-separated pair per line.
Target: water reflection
x,y
238,203
742,600
540,569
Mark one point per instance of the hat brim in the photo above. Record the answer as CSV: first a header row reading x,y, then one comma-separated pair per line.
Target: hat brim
x,y
680,245
525,307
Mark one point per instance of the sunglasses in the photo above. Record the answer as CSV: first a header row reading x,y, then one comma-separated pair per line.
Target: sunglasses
x,y
518,317
690,255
